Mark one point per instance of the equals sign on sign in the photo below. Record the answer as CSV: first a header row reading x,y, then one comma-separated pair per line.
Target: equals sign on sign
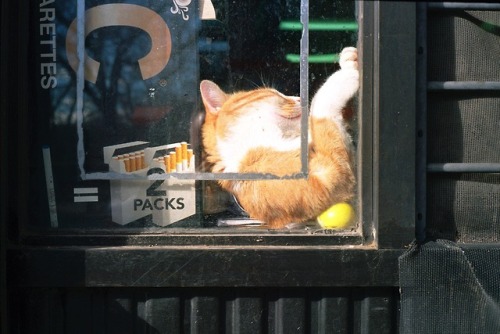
x,y
82,195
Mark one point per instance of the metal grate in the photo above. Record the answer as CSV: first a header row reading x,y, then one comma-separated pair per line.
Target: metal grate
x,y
201,310
453,107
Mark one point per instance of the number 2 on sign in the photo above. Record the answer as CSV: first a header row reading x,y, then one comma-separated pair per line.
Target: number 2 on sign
x,y
153,188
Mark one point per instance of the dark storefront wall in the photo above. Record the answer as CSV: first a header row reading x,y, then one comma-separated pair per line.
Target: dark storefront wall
x,y
201,283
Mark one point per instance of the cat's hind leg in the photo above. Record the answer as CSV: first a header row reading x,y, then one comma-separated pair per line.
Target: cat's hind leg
x,y
339,89
349,58
330,164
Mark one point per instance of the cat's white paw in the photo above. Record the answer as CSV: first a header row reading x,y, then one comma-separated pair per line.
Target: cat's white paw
x,y
349,58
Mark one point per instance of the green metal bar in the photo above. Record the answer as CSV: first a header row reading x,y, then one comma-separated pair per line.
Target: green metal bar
x,y
325,58
320,25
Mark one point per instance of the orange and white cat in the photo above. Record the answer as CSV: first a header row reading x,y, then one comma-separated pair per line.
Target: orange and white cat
x,y
258,131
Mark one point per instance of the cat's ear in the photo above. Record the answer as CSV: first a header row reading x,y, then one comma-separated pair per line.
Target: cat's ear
x,y
213,97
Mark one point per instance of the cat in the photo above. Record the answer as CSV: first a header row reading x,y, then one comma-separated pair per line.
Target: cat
x,y
258,131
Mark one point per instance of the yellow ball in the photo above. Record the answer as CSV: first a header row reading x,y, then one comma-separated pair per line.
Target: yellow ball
x,y
337,216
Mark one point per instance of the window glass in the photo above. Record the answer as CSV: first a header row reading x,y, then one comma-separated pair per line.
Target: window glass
x,y
108,132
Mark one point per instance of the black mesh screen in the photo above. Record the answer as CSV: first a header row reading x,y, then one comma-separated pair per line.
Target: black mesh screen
x,y
450,283
463,46
448,289
464,126
464,207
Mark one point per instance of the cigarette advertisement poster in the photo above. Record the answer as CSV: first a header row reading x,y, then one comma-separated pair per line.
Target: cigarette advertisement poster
x,y
115,90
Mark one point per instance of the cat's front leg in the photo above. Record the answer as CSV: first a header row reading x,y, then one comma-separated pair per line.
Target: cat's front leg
x,y
339,89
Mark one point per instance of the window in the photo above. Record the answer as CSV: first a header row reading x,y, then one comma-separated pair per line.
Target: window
x,y
96,124
156,256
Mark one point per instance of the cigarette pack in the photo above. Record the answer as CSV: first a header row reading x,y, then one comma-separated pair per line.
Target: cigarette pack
x,y
166,200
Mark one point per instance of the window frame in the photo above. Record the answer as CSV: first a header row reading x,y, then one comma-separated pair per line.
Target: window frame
x,y
387,188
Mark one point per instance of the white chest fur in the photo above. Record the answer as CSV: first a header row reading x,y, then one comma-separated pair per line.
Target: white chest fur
x,y
258,128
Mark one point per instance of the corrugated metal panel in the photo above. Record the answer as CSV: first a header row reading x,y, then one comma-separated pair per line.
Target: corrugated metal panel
x,y
103,310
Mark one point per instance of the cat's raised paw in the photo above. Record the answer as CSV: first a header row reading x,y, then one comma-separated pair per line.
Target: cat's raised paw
x,y
349,58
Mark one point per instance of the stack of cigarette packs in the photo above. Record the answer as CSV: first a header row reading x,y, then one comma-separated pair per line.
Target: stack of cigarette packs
x,y
167,200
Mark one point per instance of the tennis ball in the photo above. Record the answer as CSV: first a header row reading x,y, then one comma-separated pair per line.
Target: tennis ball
x,y
337,216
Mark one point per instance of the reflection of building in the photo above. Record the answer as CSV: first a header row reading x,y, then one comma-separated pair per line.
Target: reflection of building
x,y
138,82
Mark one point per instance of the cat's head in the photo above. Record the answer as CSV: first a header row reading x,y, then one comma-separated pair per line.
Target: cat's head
x,y
236,123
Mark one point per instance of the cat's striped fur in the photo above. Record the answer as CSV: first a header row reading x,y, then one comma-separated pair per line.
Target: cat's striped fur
x,y
259,132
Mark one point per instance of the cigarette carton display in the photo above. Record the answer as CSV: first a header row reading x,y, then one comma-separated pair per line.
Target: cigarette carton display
x,y
166,200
